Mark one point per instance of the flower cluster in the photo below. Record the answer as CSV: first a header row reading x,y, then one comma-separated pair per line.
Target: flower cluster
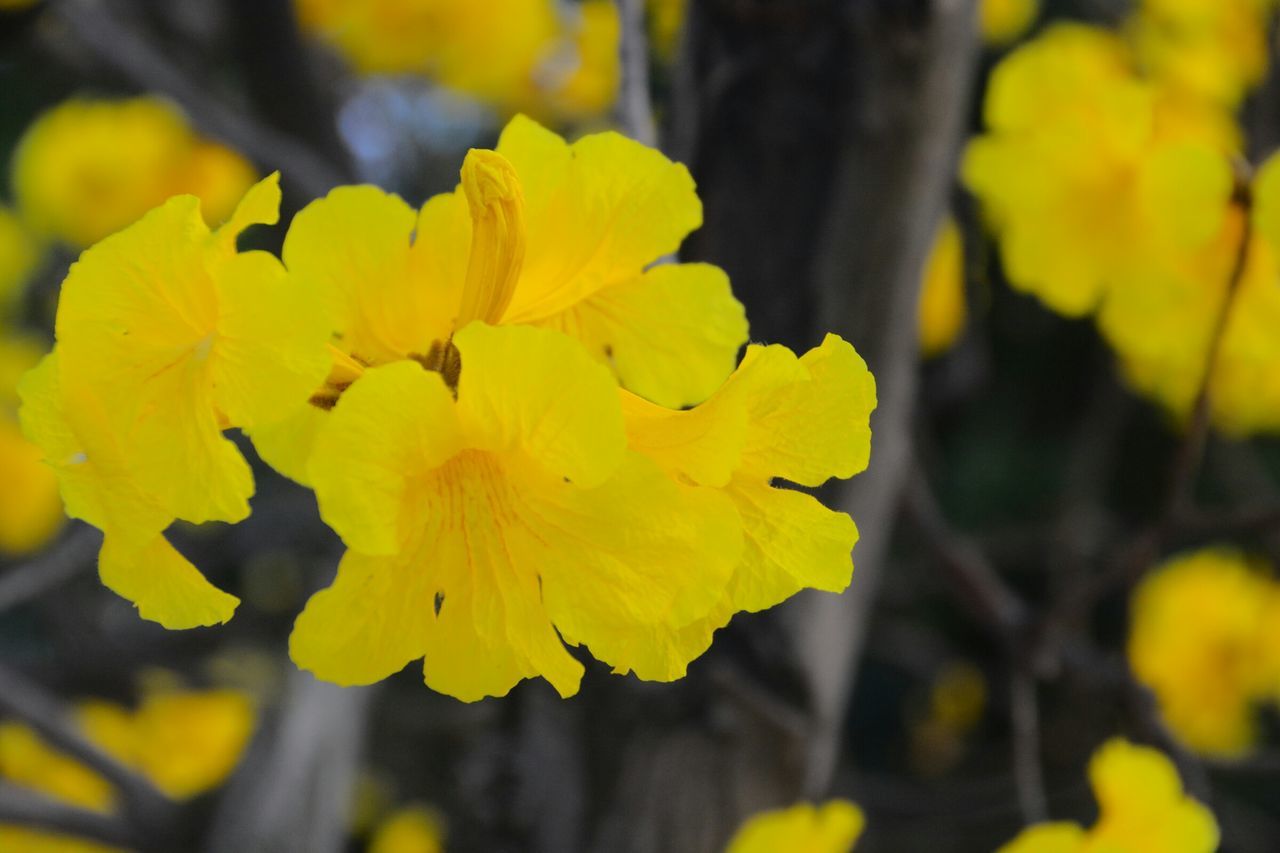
x,y
536,56
833,827
1141,807
1204,638
88,167
1113,195
526,432
185,742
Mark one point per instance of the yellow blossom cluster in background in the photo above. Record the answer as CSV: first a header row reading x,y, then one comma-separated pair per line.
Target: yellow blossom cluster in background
x,y
527,434
88,167
1113,193
186,742
1141,809
537,56
832,827
1205,637
1003,22
408,829
30,508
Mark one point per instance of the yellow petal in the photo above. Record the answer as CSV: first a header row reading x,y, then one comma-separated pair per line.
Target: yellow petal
x,y
832,828
351,249
541,393
260,206
671,334
1266,201
272,348
163,584
394,424
598,213
809,431
1142,804
190,741
703,444
368,623
627,564
286,445
30,509
438,262
942,311
792,542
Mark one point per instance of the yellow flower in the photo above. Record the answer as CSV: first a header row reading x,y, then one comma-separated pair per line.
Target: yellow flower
x,y
186,742
411,829
585,224
477,463
30,509
1161,323
530,55
1003,22
18,258
1142,809
802,420
942,311
1088,173
833,827
1215,49
88,168
481,526
166,337
1200,640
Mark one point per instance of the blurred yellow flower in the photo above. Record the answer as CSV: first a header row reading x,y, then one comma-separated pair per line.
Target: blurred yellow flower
x,y
19,254
1201,640
1214,49
185,741
410,829
87,168
586,223
1141,809
166,337
1003,22
833,827
942,311
536,56
1088,173
666,20
30,509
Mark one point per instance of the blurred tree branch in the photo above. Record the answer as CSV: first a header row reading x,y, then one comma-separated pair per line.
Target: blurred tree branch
x,y
29,809
74,553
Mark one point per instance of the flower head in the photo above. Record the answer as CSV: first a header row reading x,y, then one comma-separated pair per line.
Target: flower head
x,y
1141,807
88,168
167,336
833,827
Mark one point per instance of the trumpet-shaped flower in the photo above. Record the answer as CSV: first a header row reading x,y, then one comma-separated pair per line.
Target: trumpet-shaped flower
x,y
532,55
833,827
88,168
1141,807
30,509
1088,172
185,741
484,529
167,336
942,310
541,233
1201,640
803,420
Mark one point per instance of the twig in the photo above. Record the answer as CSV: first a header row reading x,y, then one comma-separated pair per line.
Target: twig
x,y
635,108
1024,712
36,811
130,54
72,555
153,817
966,568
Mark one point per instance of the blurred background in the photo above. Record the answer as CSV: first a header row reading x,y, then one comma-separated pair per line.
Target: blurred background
x,y
1063,539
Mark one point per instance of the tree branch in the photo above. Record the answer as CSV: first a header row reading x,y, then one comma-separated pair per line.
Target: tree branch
x,y
73,554
32,810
